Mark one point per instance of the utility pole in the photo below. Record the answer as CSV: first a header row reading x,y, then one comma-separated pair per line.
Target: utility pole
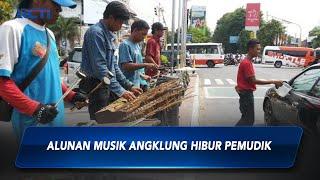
x,y
172,33
184,33
179,31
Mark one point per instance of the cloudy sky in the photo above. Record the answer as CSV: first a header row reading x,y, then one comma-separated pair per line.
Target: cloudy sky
x,y
305,13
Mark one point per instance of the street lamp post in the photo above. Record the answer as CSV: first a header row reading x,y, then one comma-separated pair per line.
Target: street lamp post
x,y
289,22
300,28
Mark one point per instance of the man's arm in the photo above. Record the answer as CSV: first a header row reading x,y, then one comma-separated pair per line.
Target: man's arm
x,y
97,54
250,75
253,80
125,82
127,61
136,66
149,59
10,92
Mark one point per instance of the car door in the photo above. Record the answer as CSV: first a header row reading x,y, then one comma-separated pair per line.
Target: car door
x,y
302,85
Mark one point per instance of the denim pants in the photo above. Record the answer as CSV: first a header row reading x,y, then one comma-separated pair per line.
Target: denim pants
x,y
246,102
98,99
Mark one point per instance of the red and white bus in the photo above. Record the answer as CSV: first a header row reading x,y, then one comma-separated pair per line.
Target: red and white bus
x,y
204,54
288,56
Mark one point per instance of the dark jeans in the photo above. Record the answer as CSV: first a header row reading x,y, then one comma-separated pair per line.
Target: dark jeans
x,y
98,99
246,102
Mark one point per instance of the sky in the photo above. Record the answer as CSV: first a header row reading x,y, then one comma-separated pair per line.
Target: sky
x,y
305,13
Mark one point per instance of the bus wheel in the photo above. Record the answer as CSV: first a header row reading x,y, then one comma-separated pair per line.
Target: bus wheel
x,y
278,64
210,64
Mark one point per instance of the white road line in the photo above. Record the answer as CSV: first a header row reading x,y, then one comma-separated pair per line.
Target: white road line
x,y
207,82
230,81
195,109
207,96
219,81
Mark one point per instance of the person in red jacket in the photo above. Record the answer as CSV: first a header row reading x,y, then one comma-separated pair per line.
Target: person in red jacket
x,y
246,83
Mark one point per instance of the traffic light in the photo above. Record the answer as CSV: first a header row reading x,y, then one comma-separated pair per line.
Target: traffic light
x,y
155,11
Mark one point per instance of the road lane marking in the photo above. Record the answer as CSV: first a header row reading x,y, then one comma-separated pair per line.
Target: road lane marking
x,y
230,93
230,81
219,81
207,82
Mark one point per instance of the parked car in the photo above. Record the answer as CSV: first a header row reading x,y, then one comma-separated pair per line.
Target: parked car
x,y
301,106
73,64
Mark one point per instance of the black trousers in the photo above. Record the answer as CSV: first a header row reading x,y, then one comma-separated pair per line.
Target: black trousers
x,y
98,99
246,102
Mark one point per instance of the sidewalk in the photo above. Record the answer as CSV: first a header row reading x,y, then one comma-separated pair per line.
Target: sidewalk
x,y
189,109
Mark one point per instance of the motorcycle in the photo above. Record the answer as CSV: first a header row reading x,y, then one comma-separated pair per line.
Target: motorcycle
x,y
229,60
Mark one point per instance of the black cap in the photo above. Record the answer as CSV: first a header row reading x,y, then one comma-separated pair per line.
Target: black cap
x,y
157,26
118,10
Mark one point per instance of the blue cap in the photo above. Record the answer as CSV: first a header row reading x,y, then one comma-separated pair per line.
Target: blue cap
x,y
66,3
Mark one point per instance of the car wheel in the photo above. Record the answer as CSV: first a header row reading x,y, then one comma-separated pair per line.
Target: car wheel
x,y
268,114
278,64
210,64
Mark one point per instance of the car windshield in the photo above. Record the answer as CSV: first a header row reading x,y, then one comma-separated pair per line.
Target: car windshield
x,y
306,81
316,89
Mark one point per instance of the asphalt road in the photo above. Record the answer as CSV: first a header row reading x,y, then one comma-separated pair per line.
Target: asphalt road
x,y
218,101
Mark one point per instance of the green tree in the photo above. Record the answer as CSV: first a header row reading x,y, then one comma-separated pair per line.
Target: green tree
x,y
200,35
170,35
230,24
66,29
315,32
6,9
244,37
271,33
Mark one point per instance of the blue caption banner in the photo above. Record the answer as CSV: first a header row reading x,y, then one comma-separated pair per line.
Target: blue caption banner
x,y
159,147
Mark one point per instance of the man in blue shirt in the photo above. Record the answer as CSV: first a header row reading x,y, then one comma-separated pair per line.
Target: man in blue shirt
x,y
130,57
98,59
23,45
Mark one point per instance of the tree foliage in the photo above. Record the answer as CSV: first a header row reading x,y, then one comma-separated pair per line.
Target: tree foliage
x,y
271,33
6,9
200,35
316,41
230,24
244,37
65,29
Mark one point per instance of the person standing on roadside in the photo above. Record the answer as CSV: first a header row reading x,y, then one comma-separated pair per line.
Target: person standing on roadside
x,y
153,51
130,56
98,60
246,84
24,41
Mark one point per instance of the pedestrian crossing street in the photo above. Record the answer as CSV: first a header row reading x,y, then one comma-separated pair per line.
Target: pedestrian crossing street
x,y
226,82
